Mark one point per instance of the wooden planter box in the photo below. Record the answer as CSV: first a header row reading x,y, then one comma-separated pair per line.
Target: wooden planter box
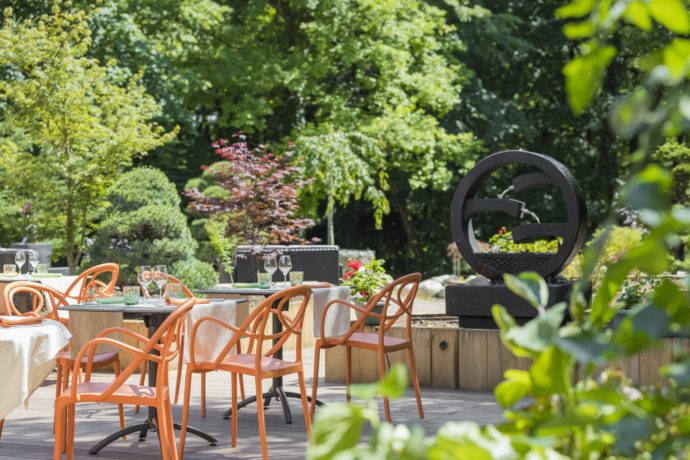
x,y
475,359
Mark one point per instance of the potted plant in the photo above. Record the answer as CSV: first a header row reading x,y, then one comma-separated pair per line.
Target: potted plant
x,y
365,281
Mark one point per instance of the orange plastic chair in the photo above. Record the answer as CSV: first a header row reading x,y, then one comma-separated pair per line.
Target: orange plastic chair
x,y
166,342
257,364
92,278
64,361
398,295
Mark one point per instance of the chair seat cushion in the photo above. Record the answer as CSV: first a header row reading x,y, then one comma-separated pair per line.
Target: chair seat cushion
x,y
371,341
99,359
245,363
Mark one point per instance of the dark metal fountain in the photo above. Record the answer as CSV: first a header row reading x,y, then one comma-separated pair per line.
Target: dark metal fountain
x,y
472,303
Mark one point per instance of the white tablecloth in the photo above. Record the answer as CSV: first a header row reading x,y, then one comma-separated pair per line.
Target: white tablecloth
x,y
211,338
26,358
338,319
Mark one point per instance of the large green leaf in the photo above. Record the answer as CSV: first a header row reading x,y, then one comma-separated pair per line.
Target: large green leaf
x,y
517,385
551,373
531,287
672,14
636,13
337,427
588,347
539,333
584,74
575,9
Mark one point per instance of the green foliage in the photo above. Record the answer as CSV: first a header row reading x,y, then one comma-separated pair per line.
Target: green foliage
x,y
195,273
616,241
366,280
72,123
675,157
145,226
345,166
502,241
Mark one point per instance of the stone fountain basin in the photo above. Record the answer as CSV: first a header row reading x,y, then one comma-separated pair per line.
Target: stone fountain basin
x,y
472,304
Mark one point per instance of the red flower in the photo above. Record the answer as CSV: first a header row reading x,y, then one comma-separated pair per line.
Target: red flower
x,y
348,275
354,264
501,231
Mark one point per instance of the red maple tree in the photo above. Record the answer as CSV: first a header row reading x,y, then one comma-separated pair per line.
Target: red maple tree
x,y
261,202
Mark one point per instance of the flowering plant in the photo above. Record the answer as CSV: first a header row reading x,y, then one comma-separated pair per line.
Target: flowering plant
x,y
366,280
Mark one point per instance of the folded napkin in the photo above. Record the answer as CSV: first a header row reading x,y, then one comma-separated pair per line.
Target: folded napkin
x,y
245,285
7,321
210,337
110,300
46,275
338,318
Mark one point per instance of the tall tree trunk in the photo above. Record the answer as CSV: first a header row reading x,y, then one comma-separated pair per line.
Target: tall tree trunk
x,y
330,233
70,252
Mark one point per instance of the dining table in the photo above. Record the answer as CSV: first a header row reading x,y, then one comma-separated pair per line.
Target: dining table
x,y
153,315
276,391
28,356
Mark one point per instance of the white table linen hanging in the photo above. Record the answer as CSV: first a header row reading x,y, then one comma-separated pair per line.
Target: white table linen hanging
x,y
338,317
28,357
211,338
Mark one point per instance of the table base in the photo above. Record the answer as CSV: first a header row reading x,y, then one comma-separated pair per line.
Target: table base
x,y
143,429
279,394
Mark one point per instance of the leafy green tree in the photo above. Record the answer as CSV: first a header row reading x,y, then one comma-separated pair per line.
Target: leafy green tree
x,y
345,166
74,124
144,225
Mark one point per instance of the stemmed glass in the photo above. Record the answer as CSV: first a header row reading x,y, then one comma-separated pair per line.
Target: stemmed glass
x,y
145,277
285,265
33,260
19,259
270,265
160,277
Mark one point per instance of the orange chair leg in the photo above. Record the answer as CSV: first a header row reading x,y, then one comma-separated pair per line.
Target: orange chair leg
x,y
59,428
233,441
142,380
69,445
179,375
260,417
203,394
162,430
241,379
382,373
348,371
120,409
315,381
58,379
415,382
303,397
185,409
172,446
2,423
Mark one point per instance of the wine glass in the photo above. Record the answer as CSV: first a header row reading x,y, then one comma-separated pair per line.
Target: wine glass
x,y
285,265
145,277
20,259
270,265
160,277
33,260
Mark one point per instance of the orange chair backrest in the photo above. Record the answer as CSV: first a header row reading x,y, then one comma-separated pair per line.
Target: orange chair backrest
x,y
254,326
166,340
45,299
93,278
398,297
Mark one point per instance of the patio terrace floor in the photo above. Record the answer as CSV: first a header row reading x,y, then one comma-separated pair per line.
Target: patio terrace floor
x,y
28,433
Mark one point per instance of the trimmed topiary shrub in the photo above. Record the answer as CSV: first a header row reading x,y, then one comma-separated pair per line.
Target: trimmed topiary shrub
x,y
145,226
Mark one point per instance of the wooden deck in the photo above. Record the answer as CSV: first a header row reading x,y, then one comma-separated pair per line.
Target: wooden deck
x,y
28,433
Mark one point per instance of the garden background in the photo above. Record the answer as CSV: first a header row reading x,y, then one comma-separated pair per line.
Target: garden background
x,y
383,104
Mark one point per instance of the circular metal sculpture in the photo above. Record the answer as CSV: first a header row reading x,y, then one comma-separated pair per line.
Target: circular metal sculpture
x,y
547,172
